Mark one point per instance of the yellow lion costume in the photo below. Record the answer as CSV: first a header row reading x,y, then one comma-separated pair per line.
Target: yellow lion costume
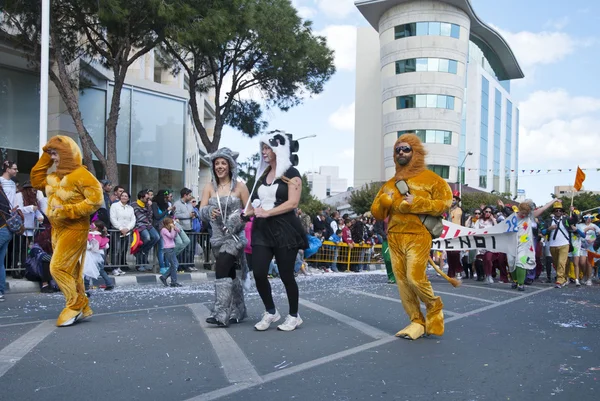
x,y
73,195
409,241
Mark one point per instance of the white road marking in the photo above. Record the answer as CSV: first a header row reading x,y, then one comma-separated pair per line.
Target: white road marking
x,y
465,296
13,352
360,326
222,392
490,288
501,303
236,366
449,313
213,395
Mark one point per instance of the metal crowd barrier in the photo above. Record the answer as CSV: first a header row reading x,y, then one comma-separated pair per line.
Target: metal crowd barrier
x,y
343,255
197,253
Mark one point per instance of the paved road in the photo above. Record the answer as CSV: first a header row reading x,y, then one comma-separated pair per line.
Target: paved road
x,y
151,343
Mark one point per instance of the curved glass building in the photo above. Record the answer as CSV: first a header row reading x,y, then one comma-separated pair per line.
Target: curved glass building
x,y
435,69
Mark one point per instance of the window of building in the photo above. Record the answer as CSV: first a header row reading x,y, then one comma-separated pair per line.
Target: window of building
x,y
442,171
430,101
430,136
483,134
427,29
426,64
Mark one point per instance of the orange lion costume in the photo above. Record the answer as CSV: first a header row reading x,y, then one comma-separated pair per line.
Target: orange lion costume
x,y
73,195
409,241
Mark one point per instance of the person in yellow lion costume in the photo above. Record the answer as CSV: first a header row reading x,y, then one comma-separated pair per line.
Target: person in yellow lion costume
x,y
73,195
409,241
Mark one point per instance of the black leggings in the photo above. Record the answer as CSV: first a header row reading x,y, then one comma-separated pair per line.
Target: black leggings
x,y
285,258
225,266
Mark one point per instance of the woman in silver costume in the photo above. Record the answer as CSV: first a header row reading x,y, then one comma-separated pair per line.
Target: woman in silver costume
x,y
221,205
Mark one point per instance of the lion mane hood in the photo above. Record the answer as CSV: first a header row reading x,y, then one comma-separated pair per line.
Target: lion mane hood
x,y
68,150
417,164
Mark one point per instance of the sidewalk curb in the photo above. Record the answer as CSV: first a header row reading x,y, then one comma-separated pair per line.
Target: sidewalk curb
x,y
14,286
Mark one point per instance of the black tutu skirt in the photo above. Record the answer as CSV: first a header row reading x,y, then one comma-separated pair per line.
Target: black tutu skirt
x,y
282,231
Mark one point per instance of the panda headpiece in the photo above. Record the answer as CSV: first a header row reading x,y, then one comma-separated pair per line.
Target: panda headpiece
x,y
279,142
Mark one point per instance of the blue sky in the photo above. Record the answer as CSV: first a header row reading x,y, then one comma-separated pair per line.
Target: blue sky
x,y
557,44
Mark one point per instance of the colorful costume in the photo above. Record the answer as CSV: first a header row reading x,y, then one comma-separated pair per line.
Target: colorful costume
x,y
73,195
409,240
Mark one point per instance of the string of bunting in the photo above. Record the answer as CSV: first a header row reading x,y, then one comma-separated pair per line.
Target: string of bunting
x,y
541,171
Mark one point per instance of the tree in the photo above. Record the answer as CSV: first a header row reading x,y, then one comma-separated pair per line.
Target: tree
x,y
20,22
362,199
473,200
114,33
308,202
235,45
118,32
247,170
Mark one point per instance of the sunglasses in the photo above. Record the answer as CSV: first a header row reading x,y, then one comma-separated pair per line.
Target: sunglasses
x,y
403,149
477,213
488,211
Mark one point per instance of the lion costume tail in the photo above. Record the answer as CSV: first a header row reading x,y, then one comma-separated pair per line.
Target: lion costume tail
x,y
453,281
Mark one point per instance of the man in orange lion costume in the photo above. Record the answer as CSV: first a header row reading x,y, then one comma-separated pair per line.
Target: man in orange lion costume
x,y
409,241
73,195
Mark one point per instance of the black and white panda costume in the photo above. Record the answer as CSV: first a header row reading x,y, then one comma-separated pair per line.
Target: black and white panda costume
x,y
281,235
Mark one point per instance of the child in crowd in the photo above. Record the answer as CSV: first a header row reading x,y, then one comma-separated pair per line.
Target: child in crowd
x,y
97,243
337,238
168,233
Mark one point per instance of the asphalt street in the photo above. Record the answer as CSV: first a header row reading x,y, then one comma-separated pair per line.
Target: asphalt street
x,y
151,343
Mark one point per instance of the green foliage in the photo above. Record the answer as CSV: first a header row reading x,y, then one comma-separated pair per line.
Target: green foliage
x,y
474,200
362,199
239,45
308,202
247,170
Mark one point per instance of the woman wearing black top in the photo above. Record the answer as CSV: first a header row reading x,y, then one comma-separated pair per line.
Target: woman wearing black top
x,y
160,210
276,230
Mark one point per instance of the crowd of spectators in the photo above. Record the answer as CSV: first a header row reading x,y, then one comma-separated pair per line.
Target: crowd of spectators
x,y
28,255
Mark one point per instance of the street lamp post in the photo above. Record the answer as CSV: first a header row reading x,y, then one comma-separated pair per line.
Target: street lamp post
x,y
460,176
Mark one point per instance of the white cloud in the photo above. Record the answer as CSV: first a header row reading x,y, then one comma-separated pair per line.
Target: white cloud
x,y
343,118
304,12
336,8
558,23
533,48
542,107
342,39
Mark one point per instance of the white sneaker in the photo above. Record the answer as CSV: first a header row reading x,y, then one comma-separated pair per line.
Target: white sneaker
x,y
115,272
266,320
489,280
121,272
71,321
459,276
588,282
577,283
290,323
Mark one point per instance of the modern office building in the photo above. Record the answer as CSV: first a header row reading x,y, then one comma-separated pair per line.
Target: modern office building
x,y
435,69
156,140
326,182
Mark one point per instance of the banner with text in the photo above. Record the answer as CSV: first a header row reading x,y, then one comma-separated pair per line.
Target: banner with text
x,y
499,238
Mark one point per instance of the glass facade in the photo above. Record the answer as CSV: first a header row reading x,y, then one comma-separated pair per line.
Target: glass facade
x,y
426,64
476,55
430,136
508,145
516,183
497,136
442,171
430,101
19,110
483,140
427,29
150,135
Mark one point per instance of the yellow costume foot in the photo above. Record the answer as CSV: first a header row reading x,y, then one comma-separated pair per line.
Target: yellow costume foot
x,y
412,331
87,312
435,323
68,317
